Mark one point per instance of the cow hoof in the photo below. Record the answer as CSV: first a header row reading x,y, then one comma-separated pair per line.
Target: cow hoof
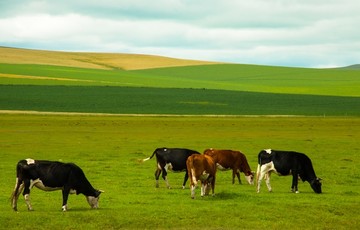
x,y
297,192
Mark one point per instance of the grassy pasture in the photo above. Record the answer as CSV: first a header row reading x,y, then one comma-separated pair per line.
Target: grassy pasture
x,y
236,77
108,150
134,100
213,89
271,79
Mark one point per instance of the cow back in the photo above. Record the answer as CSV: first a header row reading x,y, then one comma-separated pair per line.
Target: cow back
x,y
176,156
230,159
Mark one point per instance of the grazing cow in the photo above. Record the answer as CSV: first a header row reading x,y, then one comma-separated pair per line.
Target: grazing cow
x,y
203,168
286,163
235,160
50,176
171,159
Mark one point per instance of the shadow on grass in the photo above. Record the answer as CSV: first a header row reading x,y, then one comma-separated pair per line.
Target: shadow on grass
x,y
221,196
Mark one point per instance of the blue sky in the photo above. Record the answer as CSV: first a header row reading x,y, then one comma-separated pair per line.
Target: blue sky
x,y
304,33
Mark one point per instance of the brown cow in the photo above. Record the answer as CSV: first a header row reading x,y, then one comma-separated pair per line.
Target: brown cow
x,y
235,160
203,168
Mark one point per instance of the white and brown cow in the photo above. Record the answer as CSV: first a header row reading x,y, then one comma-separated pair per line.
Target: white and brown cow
x,y
232,160
286,163
203,168
50,176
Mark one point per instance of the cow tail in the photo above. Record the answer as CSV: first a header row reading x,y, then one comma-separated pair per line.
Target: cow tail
x,y
258,170
17,189
19,181
146,159
257,173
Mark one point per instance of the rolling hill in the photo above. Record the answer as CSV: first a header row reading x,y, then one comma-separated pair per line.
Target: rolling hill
x,y
68,82
91,60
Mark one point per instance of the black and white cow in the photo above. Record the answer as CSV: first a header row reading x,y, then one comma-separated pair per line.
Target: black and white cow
x,y
286,163
50,176
173,159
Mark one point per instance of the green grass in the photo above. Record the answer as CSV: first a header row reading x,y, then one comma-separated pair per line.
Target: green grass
x,y
130,100
209,89
108,150
334,82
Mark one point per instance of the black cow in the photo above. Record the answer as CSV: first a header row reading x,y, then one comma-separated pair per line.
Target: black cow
x,y
286,163
50,176
173,159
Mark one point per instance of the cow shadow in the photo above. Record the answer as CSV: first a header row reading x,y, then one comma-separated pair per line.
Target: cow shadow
x,y
225,196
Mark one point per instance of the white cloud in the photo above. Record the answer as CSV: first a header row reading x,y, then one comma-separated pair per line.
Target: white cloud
x,y
272,32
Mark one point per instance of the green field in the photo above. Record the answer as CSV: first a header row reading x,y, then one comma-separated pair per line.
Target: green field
x,y
209,89
108,150
108,144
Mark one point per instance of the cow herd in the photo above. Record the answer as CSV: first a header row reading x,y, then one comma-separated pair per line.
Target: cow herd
x,y
68,177
202,167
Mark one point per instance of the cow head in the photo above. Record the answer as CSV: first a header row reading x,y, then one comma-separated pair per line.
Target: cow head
x,y
250,177
94,200
316,185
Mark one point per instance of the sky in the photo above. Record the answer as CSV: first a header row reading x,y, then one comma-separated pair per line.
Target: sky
x,y
296,33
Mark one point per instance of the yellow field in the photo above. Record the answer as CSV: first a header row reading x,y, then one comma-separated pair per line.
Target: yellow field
x,y
91,60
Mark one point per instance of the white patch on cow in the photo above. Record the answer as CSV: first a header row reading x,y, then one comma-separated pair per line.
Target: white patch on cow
x,y
265,171
39,184
168,166
220,167
267,151
30,161
193,177
268,167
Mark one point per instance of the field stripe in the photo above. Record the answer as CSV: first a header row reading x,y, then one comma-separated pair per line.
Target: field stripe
x,y
42,78
33,112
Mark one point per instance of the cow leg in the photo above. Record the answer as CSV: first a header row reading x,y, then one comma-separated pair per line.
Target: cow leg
x,y
19,186
203,188
192,190
164,176
26,194
267,180
185,179
294,186
237,173
213,186
65,194
259,176
157,175
193,182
